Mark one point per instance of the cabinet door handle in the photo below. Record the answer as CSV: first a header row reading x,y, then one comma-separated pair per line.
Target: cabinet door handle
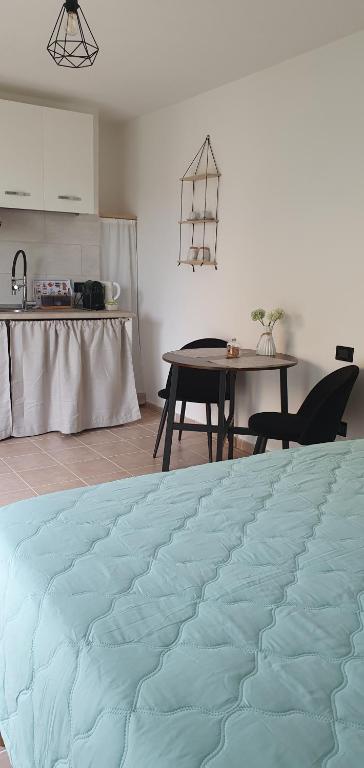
x,y
70,197
17,193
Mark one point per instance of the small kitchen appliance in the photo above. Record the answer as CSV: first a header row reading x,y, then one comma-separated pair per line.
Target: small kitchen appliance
x,y
93,295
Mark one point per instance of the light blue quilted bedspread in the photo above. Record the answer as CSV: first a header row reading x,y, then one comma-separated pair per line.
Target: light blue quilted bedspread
x,y
206,617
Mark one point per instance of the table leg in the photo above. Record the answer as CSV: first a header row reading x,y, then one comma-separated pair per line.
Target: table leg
x,y
232,376
221,418
284,398
170,419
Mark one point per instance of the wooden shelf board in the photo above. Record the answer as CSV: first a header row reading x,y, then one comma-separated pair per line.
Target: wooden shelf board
x,y
199,221
201,176
199,263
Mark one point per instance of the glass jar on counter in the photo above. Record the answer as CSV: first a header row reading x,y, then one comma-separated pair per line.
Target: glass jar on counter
x,y
232,348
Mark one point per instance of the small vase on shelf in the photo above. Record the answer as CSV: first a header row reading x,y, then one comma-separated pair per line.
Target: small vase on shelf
x,y
266,345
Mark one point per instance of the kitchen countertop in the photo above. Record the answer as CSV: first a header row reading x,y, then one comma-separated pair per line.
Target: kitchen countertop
x,y
65,314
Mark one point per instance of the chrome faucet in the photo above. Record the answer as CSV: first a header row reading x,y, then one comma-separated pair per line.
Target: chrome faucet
x,y
16,284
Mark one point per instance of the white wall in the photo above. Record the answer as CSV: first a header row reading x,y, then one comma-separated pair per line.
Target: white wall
x,y
109,168
290,145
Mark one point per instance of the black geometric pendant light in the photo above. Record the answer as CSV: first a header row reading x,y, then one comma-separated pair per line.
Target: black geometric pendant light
x,y
72,43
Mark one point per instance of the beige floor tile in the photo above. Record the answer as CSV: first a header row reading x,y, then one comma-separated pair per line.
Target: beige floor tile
x,y
144,443
128,432
76,453
179,450
96,437
191,440
150,425
147,423
12,482
188,459
96,469
187,453
119,475
13,496
17,447
38,478
42,490
92,457
30,461
151,416
149,470
136,461
54,440
118,448
120,431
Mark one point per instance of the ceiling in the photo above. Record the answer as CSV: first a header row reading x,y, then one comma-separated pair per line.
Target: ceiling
x,y
157,52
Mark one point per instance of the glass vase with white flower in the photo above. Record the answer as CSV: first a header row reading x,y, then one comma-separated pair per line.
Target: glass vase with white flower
x,y
266,345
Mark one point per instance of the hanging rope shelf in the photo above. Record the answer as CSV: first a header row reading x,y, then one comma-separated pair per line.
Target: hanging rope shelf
x,y
199,210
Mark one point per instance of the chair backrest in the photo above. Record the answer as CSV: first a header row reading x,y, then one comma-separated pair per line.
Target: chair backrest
x,y
322,410
199,386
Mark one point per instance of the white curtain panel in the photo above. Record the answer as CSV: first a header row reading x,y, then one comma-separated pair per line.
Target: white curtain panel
x,y
71,375
119,261
5,405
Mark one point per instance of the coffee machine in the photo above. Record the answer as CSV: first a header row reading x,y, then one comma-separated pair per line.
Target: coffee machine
x,y
91,293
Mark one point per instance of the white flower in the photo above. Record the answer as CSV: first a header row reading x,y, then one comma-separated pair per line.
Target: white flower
x,y
258,314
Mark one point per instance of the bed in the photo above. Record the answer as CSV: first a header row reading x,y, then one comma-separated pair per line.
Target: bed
x,y
205,617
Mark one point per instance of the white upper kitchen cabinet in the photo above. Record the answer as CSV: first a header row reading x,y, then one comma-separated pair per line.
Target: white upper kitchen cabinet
x,y
69,162
21,156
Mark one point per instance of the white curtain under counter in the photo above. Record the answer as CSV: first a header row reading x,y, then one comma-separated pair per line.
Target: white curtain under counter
x,y
70,375
5,402
119,261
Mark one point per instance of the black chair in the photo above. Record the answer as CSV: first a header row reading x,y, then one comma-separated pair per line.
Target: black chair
x,y
318,419
194,387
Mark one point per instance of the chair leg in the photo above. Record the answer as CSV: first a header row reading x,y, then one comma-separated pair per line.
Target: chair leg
x,y
260,445
209,434
231,414
182,419
221,422
160,428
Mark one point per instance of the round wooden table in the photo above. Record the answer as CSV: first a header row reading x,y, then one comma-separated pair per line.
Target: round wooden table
x,y
216,360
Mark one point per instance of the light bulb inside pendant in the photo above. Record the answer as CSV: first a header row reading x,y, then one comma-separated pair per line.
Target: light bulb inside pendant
x,y
71,25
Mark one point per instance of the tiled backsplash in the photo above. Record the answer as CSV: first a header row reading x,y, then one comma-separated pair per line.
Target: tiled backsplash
x,y
56,244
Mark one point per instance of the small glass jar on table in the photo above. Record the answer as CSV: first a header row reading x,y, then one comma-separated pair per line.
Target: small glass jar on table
x,y
232,349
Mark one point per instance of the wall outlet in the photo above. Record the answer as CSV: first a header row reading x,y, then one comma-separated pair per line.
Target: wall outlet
x,y
345,353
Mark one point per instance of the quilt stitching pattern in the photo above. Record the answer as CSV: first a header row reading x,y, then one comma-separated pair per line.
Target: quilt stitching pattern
x,y
267,627
181,619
